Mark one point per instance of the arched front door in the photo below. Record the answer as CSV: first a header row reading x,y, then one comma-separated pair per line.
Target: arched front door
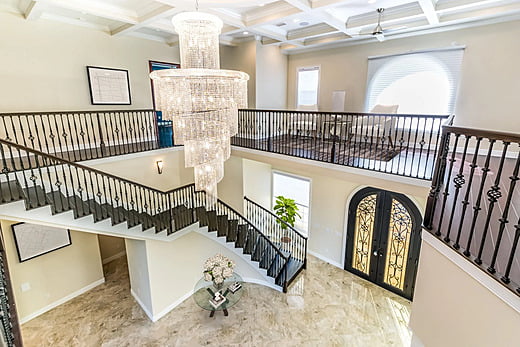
x,y
384,239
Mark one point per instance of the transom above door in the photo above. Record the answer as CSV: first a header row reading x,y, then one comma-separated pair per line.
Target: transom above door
x,y
383,239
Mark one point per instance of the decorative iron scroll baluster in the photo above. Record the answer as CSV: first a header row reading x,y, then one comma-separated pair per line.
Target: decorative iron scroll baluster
x,y
465,202
503,220
459,182
476,207
497,245
494,194
447,185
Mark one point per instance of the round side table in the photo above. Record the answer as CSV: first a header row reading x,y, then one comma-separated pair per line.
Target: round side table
x,y
205,290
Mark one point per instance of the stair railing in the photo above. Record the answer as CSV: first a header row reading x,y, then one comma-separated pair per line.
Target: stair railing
x,y
277,230
43,178
270,249
474,198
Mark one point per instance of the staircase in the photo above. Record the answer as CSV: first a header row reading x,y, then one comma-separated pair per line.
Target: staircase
x,y
38,180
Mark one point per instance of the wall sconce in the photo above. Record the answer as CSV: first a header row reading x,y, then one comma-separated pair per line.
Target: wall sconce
x,y
159,164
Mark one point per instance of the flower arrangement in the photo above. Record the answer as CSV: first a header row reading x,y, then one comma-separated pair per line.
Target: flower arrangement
x,y
218,268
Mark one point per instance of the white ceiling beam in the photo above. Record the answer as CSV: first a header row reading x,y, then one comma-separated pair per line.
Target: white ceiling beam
x,y
34,10
97,9
307,7
147,19
428,7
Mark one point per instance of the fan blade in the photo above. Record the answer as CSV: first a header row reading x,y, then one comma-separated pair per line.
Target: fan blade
x,y
380,37
396,28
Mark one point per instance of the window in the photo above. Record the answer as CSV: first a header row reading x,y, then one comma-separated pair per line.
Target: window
x,y
298,189
420,83
307,90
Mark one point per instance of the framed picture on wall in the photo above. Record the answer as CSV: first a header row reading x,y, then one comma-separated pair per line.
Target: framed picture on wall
x,y
108,86
33,240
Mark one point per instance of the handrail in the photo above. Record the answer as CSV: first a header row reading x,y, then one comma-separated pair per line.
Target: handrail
x,y
252,225
405,115
81,166
490,134
278,218
3,114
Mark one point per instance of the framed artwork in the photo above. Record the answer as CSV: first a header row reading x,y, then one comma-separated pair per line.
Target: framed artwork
x,y
33,240
108,86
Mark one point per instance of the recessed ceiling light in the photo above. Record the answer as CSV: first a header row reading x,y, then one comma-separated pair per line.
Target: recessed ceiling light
x,y
246,33
304,23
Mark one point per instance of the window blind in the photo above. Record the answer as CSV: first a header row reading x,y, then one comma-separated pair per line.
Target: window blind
x,y
423,82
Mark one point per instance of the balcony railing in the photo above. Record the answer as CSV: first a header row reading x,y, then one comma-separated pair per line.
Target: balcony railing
x,y
82,135
404,145
474,202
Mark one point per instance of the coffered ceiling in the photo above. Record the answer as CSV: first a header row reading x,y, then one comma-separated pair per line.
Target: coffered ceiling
x,y
294,25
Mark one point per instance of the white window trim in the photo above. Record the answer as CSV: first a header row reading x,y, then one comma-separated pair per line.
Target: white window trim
x,y
278,172
308,68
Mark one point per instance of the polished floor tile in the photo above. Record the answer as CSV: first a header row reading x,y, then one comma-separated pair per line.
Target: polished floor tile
x,y
326,306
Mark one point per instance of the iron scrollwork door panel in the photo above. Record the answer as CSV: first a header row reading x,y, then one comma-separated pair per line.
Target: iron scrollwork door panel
x,y
384,229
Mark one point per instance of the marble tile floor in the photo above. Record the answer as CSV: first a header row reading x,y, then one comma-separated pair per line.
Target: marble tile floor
x,y
326,306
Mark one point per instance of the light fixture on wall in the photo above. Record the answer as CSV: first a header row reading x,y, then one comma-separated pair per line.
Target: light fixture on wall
x,y
160,165
201,100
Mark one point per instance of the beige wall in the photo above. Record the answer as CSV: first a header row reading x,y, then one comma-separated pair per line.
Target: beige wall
x,y
142,168
470,314
490,73
331,190
43,64
271,77
138,272
110,247
53,276
242,58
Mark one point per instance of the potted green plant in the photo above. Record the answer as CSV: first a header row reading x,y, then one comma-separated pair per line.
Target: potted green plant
x,y
287,211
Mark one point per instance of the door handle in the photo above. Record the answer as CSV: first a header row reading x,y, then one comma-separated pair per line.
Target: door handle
x,y
378,252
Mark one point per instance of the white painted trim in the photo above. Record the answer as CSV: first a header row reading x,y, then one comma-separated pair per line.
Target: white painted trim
x,y
171,306
114,257
62,300
355,171
480,276
325,259
149,153
145,309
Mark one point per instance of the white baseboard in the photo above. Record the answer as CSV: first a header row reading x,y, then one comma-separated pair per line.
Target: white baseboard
x,y
145,309
325,259
172,306
114,257
62,301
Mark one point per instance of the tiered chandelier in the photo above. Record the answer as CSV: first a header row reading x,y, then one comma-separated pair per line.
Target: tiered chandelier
x,y
201,100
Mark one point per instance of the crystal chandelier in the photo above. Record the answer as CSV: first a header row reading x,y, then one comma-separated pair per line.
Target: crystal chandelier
x,y
201,100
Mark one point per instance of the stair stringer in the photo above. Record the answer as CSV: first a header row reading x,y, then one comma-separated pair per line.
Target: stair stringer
x,y
43,215
212,235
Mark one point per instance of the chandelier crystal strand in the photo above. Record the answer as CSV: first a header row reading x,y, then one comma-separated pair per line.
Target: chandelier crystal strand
x,y
201,100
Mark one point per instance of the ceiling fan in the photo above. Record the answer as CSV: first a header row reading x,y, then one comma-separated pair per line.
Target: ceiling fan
x,y
379,32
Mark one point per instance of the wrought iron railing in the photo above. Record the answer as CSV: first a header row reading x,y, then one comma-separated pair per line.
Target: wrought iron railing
x,y
404,145
473,205
10,334
82,135
288,238
42,179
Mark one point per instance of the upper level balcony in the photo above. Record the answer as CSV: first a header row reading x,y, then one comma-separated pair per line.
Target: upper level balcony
x,y
404,145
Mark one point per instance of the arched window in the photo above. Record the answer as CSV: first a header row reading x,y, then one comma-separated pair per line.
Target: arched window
x,y
420,83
